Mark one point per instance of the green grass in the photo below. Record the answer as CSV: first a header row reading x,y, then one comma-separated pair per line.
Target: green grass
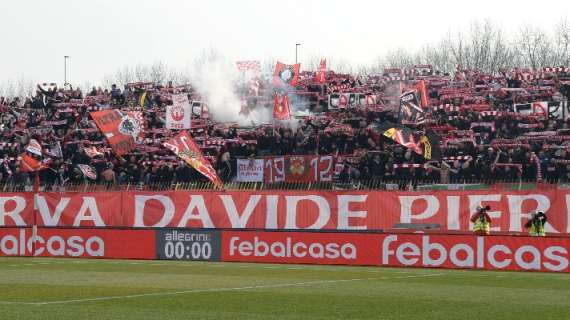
x,y
34,288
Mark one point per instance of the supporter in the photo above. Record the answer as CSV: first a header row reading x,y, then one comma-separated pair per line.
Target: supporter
x,y
495,142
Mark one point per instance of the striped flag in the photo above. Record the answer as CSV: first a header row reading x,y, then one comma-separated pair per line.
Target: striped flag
x,y
249,65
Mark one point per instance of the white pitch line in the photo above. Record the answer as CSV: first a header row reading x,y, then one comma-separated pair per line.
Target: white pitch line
x,y
159,294
172,293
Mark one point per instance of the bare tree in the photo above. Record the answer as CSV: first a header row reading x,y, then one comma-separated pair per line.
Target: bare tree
x,y
562,43
534,47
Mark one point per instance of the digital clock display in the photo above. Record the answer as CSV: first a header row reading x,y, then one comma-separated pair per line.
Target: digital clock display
x,y
195,245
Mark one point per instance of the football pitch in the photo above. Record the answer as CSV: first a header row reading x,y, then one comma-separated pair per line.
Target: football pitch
x,y
38,288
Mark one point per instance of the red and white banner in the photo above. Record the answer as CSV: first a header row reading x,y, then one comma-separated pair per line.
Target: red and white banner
x,y
249,170
330,210
249,65
84,243
399,250
179,114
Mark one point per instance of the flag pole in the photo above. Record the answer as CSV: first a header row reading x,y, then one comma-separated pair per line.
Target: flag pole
x,y
35,212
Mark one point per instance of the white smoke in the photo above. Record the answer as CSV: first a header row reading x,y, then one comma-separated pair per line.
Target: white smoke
x,y
215,79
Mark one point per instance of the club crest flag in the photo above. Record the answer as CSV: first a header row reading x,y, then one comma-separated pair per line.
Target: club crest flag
x,y
184,147
179,114
121,129
286,74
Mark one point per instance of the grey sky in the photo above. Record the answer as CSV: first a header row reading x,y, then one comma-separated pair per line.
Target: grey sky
x,y
103,35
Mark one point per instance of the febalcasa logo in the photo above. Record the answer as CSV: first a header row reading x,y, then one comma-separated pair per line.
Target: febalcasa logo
x,y
424,252
73,246
291,249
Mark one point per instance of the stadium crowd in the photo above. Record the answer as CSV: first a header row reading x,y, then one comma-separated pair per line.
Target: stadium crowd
x,y
507,126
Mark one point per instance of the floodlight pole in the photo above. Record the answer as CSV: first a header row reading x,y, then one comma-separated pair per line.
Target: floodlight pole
x,y
65,70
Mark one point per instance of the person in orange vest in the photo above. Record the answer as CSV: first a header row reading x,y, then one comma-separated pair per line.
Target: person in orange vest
x,y
481,221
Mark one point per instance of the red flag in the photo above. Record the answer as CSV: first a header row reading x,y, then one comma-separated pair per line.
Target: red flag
x,y
422,92
320,76
31,164
286,74
281,109
184,147
121,129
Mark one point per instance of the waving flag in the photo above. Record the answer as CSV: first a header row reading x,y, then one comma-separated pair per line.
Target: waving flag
x,y
92,152
121,129
142,100
55,150
286,74
427,145
281,109
410,110
31,164
34,147
422,93
184,147
320,76
249,65
87,171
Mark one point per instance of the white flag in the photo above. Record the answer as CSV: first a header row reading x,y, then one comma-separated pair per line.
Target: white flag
x,y
179,114
250,170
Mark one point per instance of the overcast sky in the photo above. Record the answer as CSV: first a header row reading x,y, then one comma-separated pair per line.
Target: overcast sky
x,y
103,35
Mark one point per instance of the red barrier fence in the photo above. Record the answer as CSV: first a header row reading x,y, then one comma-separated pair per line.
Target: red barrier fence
x,y
322,210
519,253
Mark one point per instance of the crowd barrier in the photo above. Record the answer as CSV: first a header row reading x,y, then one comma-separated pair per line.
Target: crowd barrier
x,y
357,248
315,210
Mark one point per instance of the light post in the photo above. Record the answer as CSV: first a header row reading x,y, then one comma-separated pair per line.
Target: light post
x,y
296,46
65,70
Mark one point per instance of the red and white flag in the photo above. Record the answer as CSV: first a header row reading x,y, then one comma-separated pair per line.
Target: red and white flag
x,y
281,109
34,147
249,65
184,147
87,171
179,114
321,75
92,152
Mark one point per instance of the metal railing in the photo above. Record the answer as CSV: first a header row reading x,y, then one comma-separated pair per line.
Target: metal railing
x,y
395,185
